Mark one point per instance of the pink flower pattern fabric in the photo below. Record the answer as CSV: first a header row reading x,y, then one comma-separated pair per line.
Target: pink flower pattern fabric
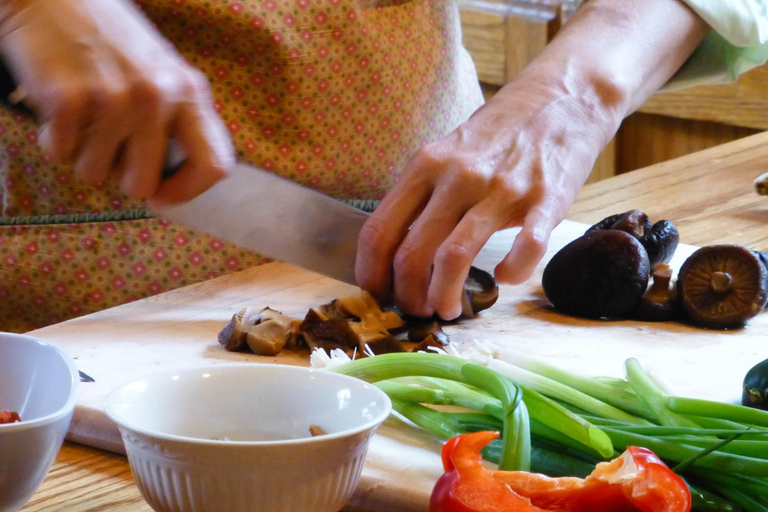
x,y
334,94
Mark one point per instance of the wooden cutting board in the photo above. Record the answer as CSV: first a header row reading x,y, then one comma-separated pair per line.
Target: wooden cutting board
x,y
179,328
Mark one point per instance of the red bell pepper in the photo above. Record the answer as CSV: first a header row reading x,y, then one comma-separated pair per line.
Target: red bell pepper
x,y
636,481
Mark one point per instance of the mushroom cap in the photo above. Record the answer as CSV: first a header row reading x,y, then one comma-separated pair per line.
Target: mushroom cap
x,y
602,274
660,240
723,286
480,292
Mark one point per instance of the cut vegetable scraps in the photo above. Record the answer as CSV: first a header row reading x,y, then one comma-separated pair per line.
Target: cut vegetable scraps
x,y
636,481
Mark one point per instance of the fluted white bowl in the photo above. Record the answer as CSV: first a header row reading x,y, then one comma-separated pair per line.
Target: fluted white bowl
x,y
236,437
39,381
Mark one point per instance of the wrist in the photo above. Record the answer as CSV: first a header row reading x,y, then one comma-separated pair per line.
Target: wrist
x,y
589,98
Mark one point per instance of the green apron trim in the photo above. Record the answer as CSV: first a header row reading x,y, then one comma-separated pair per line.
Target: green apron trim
x,y
367,205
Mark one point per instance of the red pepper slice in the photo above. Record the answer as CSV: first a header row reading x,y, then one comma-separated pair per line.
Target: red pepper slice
x,y
636,481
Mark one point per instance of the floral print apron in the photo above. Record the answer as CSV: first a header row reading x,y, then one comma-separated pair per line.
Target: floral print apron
x,y
333,94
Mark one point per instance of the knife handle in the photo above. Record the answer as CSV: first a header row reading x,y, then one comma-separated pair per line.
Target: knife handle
x,y
174,156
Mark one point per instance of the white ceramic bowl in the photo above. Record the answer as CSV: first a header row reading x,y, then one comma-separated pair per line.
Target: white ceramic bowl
x,y
39,381
236,437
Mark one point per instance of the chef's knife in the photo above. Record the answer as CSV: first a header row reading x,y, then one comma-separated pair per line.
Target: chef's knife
x,y
259,211
277,218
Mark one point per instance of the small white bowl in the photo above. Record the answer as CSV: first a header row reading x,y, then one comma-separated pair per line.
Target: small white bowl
x,y
39,381
236,437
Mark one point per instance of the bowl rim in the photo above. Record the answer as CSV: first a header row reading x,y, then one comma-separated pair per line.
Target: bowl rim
x,y
370,425
74,391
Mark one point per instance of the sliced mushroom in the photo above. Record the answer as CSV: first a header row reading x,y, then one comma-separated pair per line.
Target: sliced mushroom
x,y
365,308
660,303
319,331
430,341
384,345
723,286
234,333
602,274
660,240
480,292
272,332
419,331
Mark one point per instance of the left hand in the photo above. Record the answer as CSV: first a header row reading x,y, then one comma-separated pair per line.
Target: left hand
x,y
518,161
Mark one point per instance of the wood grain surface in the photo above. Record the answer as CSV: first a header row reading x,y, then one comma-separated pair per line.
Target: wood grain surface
x,y
709,195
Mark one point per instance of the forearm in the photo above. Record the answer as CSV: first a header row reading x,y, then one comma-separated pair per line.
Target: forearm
x,y
611,56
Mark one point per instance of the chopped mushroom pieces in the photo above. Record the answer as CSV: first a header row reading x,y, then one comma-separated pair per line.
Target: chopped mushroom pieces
x,y
315,431
265,332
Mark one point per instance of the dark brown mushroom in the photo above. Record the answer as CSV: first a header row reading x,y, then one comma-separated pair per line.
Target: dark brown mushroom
x,y
660,303
761,184
232,336
602,274
319,331
419,331
480,292
272,332
723,286
660,240
430,341
384,345
365,308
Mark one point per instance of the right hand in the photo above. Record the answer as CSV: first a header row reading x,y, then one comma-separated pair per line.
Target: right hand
x,y
110,92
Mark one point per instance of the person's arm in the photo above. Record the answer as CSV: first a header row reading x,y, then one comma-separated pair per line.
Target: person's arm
x,y
109,91
521,159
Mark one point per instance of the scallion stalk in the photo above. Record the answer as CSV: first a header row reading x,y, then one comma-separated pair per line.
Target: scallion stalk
x,y
653,397
731,412
389,366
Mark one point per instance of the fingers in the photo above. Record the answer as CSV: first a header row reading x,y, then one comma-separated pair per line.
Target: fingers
x,y
381,235
415,257
59,135
455,256
529,247
206,145
142,161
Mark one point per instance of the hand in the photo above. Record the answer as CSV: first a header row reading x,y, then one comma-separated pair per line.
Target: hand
x,y
519,161
109,92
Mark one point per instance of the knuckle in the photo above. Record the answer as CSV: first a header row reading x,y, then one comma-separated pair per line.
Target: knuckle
x,y
373,235
194,84
149,94
408,262
535,240
453,257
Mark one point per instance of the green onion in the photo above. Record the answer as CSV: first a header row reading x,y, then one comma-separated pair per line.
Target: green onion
x,y
653,397
695,406
561,392
610,390
389,366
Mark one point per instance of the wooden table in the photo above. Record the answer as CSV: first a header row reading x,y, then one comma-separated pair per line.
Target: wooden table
x,y
709,195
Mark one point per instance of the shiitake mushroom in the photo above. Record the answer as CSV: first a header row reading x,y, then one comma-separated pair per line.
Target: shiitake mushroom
x,y
755,393
660,240
480,292
660,302
602,274
723,286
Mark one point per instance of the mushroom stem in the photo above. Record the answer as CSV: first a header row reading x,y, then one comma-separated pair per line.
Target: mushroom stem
x,y
662,274
721,282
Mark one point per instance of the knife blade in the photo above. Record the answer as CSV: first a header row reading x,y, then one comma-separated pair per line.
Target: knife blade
x,y
277,218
